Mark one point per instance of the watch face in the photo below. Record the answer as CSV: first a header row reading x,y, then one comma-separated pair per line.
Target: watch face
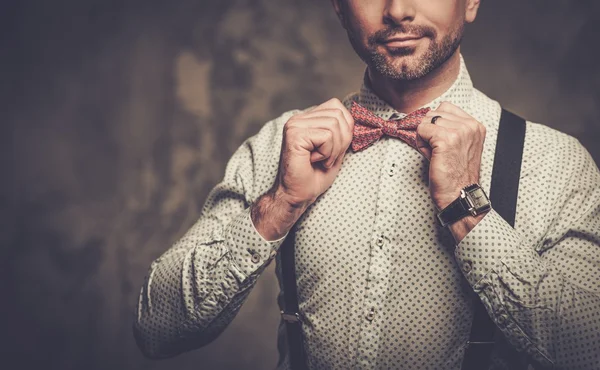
x,y
478,199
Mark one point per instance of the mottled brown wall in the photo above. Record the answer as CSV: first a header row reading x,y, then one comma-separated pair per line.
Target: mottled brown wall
x,y
118,117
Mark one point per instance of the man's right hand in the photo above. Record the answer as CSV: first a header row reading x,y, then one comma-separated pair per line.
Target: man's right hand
x,y
312,151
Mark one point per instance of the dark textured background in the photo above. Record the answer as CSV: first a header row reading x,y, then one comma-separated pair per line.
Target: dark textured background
x,y
119,116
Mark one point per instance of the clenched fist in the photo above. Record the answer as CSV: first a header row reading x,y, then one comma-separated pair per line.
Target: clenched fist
x,y
312,150
453,145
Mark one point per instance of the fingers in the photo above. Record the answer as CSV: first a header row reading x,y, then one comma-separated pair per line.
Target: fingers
x,y
340,122
464,125
335,108
425,133
452,113
330,116
331,128
447,107
453,128
323,145
337,104
445,119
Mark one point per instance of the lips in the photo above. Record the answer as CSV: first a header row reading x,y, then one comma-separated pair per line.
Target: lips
x,y
401,42
401,39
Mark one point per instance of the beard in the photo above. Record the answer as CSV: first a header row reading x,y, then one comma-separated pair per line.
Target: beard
x,y
402,63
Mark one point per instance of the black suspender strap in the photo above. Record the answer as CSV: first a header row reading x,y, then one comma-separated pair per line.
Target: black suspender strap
x,y
291,312
503,196
507,166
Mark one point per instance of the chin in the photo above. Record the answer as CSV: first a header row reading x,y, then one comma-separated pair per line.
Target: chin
x,y
402,63
401,68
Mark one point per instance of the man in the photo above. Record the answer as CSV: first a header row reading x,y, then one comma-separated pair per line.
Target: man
x,y
381,284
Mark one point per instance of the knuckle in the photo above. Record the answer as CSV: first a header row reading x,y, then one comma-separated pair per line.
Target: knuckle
x,y
337,103
333,122
339,114
292,130
291,123
335,119
452,137
286,128
333,102
291,135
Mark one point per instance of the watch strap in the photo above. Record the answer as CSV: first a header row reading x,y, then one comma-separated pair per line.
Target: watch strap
x,y
454,211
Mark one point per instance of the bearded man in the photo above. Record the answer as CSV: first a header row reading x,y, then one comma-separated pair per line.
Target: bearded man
x,y
382,200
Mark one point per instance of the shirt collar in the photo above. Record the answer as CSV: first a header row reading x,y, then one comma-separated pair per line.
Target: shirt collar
x,y
458,94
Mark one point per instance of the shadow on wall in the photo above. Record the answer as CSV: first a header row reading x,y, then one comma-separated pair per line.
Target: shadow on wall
x,y
122,117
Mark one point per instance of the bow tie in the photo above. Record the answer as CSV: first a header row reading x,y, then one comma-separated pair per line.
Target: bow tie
x,y
368,128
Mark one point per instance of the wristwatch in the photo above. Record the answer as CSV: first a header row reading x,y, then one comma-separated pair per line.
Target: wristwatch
x,y
472,201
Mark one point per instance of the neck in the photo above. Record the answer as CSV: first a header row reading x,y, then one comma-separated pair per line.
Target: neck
x,y
408,96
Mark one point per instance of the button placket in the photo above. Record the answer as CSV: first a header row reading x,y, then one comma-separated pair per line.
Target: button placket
x,y
370,314
380,241
392,170
378,272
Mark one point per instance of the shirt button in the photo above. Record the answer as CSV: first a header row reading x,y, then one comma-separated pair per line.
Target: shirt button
x,y
371,314
379,242
467,267
255,257
501,319
392,170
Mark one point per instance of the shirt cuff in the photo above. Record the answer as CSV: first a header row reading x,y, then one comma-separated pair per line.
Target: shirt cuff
x,y
483,248
249,250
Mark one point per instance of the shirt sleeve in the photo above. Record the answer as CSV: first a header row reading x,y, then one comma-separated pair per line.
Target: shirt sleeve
x,y
195,289
545,298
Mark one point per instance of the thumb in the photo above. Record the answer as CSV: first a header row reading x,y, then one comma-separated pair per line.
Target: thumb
x,y
424,135
316,156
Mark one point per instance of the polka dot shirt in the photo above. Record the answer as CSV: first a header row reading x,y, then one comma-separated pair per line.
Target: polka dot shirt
x,y
381,285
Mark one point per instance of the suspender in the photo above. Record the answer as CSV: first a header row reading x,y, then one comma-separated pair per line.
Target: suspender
x,y
291,314
503,196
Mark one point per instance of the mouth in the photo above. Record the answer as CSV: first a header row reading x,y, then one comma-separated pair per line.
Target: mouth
x,y
399,42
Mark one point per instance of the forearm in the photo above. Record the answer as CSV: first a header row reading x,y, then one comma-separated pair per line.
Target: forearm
x,y
529,297
543,313
273,214
180,300
196,288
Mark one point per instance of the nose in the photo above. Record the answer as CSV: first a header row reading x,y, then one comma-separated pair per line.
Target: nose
x,y
398,11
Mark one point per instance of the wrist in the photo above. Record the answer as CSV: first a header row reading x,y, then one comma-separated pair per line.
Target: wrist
x,y
462,214
273,215
442,201
462,227
290,204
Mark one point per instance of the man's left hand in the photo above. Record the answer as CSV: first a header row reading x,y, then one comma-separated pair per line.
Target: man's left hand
x,y
453,146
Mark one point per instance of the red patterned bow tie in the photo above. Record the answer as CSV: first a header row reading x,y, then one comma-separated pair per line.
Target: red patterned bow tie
x,y
368,128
